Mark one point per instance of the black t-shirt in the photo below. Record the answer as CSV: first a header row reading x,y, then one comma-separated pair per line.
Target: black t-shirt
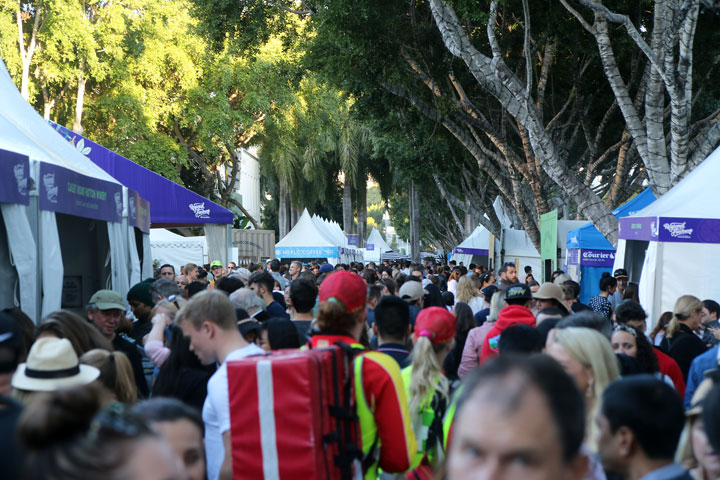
x,y
131,351
139,330
11,453
303,329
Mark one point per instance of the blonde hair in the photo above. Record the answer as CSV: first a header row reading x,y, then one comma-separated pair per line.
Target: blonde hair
x,y
466,290
168,308
497,303
427,373
593,351
116,373
684,308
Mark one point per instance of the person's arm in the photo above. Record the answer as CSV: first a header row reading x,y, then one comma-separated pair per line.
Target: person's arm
x,y
226,472
469,359
385,393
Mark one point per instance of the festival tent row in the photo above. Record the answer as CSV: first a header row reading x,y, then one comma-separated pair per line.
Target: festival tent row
x,y
316,238
589,254
173,204
375,247
673,245
475,248
67,228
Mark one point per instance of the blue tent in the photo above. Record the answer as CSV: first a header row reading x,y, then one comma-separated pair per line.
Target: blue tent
x,y
589,254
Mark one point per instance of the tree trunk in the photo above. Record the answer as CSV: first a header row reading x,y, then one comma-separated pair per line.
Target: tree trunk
x,y
362,213
414,223
347,208
77,125
282,211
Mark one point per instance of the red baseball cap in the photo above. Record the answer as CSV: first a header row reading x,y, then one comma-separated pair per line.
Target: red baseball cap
x,y
435,323
347,287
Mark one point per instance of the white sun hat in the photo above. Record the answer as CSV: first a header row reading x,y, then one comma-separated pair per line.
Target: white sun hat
x,y
52,364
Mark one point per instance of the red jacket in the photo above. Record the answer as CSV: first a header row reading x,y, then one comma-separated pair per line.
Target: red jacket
x,y
669,367
509,316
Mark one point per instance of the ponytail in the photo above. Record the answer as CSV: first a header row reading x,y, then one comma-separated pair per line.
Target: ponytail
x,y
426,370
684,308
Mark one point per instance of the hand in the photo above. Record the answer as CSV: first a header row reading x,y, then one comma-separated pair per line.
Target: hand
x,y
715,332
161,318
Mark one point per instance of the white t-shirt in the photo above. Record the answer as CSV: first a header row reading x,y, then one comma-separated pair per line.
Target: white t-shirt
x,y
216,411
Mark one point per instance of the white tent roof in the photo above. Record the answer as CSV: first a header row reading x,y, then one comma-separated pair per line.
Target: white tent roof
x,y
479,238
695,196
517,243
379,243
23,130
306,233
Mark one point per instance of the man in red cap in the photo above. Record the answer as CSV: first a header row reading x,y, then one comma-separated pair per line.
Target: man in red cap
x,y
381,403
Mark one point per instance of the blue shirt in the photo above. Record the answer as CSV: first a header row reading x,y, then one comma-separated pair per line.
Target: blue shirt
x,y
274,310
698,367
398,351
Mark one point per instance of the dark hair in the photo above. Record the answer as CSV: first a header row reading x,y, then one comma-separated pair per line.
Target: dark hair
x,y
262,278
166,409
631,292
229,283
83,335
661,324
527,269
465,317
553,312
544,328
711,416
712,306
303,294
194,288
448,298
650,408
433,298
541,372
628,311
375,292
646,358
520,339
628,365
392,317
274,265
370,276
575,287
587,319
26,327
65,437
607,282
505,266
389,284
281,333
167,265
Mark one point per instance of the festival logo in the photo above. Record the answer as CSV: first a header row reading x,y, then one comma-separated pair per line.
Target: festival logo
x,y
22,180
200,210
50,188
118,204
678,230
654,229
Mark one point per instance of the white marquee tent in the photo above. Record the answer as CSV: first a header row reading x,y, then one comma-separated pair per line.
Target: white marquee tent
x,y
176,250
375,247
475,248
673,244
79,252
314,237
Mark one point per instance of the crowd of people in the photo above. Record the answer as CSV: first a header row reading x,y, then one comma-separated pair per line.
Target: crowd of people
x,y
462,373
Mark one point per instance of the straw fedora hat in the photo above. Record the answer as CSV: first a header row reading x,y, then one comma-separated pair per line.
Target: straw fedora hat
x,y
550,291
52,364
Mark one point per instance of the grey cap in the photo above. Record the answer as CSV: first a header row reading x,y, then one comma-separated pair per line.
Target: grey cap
x,y
107,300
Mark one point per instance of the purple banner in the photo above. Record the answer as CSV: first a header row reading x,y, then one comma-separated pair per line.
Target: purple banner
x,y
353,240
470,251
14,178
690,230
572,256
597,258
638,228
171,203
66,191
138,211
370,247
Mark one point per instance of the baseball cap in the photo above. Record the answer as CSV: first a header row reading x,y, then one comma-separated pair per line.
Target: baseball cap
x,y
107,300
411,291
518,291
326,268
550,291
216,263
489,291
620,272
435,323
349,288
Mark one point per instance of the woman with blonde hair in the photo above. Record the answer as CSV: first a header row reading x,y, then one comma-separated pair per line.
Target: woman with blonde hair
x,y
587,357
116,375
427,387
680,341
162,316
468,291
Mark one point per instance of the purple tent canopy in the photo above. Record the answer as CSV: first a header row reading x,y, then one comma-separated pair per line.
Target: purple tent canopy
x,y
171,204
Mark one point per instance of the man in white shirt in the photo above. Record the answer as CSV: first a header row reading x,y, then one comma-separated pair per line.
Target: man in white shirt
x,y
208,321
